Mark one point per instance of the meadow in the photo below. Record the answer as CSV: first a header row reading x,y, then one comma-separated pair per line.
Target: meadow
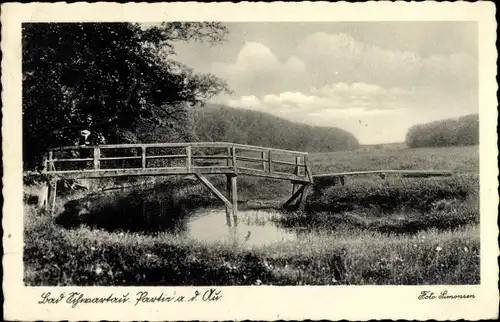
x,y
372,231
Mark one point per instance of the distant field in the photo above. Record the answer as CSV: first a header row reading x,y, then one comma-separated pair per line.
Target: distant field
x,y
459,159
370,231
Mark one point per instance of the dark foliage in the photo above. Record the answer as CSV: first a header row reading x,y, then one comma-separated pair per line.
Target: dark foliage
x,y
116,79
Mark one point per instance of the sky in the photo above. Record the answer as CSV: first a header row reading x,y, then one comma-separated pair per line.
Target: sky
x,y
373,79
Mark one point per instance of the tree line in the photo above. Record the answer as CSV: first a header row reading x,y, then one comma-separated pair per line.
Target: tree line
x,y
450,132
222,123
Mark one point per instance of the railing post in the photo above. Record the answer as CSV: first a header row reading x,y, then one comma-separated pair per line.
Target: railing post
x,y
269,161
143,152
263,157
233,152
297,161
188,158
97,156
307,170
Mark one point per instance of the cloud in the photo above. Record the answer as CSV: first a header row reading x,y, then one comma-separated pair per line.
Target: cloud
x,y
354,90
340,99
299,100
321,60
258,70
249,102
341,57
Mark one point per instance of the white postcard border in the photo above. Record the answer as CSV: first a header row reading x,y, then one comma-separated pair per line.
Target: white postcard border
x,y
256,303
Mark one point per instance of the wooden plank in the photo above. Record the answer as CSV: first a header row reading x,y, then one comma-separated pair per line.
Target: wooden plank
x,y
250,159
307,169
303,196
72,160
309,174
269,161
234,199
44,164
143,156
228,194
167,156
51,166
97,155
288,163
219,157
251,169
212,188
261,148
297,162
272,175
354,173
53,197
209,167
233,154
188,158
119,158
108,173
183,145
229,157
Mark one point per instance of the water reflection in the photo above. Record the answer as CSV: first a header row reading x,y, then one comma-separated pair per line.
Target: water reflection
x,y
255,227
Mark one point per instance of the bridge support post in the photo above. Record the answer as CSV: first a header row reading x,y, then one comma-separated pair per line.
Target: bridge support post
x,y
51,198
294,197
231,206
303,197
228,193
234,199
298,199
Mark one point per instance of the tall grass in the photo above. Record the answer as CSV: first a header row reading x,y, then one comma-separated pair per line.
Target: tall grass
x,y
87,256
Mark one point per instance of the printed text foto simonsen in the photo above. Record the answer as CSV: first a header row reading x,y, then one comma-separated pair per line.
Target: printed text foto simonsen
x,y
443,295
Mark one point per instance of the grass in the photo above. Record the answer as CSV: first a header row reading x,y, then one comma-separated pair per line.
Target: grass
x,y
459,159
371,231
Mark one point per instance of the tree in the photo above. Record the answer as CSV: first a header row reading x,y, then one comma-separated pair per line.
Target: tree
x,y
116,79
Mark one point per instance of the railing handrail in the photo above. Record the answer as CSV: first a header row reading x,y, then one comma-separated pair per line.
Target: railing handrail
x,y
181,145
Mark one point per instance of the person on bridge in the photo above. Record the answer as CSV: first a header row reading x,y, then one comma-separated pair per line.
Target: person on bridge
x,y
83,142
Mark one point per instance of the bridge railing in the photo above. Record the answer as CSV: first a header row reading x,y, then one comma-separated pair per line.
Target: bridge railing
x,y
189,156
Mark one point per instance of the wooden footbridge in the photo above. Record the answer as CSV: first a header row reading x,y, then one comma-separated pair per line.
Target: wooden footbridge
x,y
197,159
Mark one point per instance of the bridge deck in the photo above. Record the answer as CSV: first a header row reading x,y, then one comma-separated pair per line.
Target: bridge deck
x,y
408,173
110,173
